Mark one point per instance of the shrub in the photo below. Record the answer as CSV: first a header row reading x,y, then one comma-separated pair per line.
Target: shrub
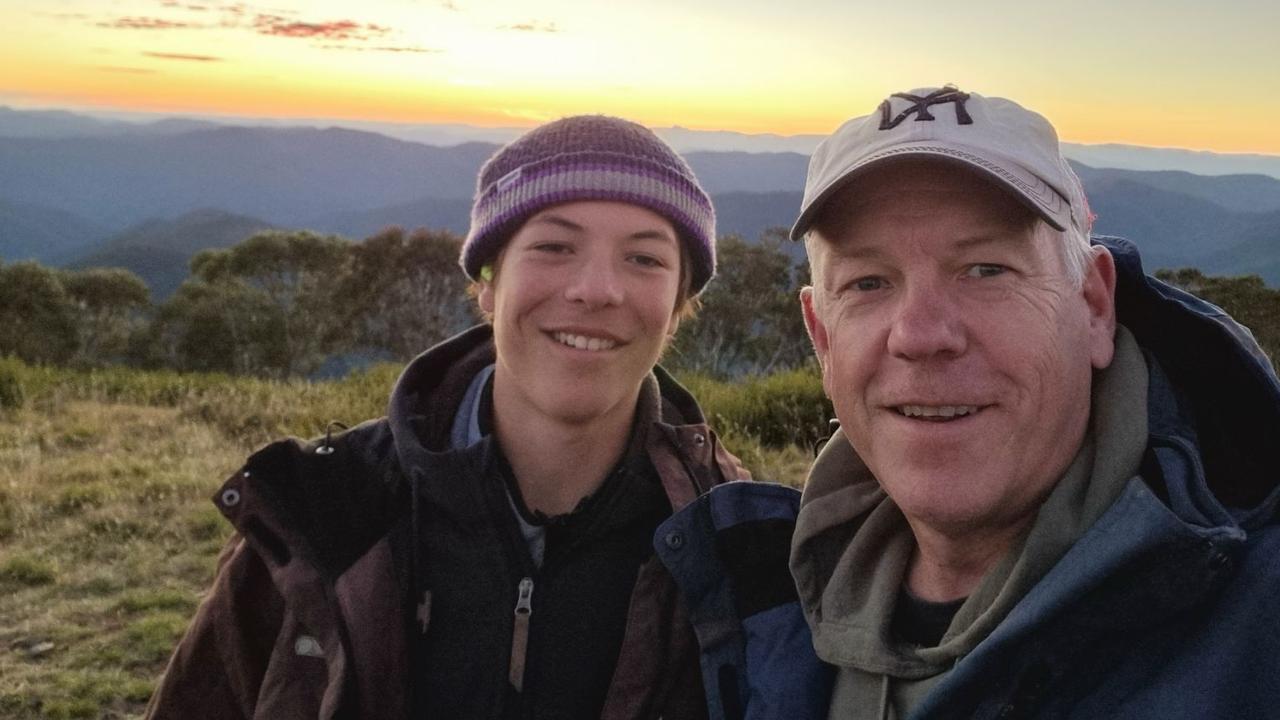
x,y
11,395
780,410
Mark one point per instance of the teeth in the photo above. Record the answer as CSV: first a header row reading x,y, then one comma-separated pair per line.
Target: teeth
x,y
582,342
940,411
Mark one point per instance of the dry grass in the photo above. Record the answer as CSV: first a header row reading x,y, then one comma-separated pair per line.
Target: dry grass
x,y
106,544
107,535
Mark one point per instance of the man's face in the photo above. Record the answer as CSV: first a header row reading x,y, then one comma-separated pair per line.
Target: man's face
x,y
954,347
582,305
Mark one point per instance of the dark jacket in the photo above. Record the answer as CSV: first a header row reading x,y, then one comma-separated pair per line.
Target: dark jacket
x,y
1166,606
313,611
728,553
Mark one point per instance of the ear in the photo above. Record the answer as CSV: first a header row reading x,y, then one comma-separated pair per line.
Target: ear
x,y
485,297
1099,290
817,331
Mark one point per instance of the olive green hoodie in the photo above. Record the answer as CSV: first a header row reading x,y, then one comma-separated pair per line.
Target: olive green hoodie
x,y
852,544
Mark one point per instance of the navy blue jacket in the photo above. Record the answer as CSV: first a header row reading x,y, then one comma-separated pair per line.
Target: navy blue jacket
x,y
1169,606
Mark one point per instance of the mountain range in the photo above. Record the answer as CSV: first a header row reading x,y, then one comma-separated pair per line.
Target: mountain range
x,y
148,196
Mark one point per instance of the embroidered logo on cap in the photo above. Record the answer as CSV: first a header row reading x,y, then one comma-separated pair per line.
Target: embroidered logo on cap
x,y
920,107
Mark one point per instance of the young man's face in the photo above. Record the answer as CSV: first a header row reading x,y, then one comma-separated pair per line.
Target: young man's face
x,y
954,346
582,303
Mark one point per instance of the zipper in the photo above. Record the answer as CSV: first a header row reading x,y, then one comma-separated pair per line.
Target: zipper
x,y
520,634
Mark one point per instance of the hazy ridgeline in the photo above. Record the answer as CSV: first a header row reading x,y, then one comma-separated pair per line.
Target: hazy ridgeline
x,y
111,442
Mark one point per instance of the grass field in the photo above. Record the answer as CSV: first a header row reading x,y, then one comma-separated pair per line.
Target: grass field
x,y
107,535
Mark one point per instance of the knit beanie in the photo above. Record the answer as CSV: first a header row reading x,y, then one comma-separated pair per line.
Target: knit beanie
x,y
589,157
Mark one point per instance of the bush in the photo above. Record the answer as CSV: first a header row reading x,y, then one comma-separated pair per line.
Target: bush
x,y
11,395
779,410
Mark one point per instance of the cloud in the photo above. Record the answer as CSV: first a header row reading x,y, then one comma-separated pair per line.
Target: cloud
x,y
146,23
180,56
186,6
382,48
278,26
450,5
544,27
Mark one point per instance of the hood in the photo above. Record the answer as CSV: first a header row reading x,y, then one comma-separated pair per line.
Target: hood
x,y
427,396
1214,392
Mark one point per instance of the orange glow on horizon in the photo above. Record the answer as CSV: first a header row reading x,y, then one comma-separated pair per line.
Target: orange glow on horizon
x,y
723,66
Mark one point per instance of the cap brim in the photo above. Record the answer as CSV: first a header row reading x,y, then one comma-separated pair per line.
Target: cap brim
x,y
1024,186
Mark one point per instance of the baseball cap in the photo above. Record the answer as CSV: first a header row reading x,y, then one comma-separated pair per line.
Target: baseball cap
x,y
1012,146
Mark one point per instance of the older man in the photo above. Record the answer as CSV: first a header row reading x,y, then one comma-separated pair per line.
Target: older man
x,y
1054,490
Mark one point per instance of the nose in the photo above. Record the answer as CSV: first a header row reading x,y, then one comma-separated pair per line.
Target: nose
x,y
595,283
928,325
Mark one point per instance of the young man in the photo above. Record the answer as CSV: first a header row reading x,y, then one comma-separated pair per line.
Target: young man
x,y
487,549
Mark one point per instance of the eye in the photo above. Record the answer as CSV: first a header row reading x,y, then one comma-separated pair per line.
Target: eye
x,y
647,261
552,247
985,270
867,284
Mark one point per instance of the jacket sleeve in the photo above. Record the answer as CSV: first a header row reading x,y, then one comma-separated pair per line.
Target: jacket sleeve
x,y
217,669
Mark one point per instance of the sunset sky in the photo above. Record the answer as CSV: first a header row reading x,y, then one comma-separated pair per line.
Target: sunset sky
x,y
1173,73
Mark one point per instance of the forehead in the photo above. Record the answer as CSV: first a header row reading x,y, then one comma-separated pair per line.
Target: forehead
x,y
906,194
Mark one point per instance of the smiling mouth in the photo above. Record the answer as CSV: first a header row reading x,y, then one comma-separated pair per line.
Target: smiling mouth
x,y
583,342
936,413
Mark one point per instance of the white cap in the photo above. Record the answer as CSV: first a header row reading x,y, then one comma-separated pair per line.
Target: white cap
x,y
1013,146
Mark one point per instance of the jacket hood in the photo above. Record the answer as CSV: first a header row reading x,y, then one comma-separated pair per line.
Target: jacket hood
x,y
1219,397
426,398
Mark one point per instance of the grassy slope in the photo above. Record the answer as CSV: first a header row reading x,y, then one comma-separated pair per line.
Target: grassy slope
x,y
107,536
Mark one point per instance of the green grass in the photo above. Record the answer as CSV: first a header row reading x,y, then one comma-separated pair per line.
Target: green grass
x,y
108,538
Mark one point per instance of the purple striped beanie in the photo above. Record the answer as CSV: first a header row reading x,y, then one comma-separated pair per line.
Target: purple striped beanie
x,y
589,157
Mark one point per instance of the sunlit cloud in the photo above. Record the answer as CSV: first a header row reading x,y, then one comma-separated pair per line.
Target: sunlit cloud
x,y
544,27
146,23
278,26
182,56
385,48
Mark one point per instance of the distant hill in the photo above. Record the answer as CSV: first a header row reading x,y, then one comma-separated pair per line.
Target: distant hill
x,y
1200,162
727,172
287,176
160,251
35,232
57,123
64,124
1238,193
59,193
436,213
1256,252
740,213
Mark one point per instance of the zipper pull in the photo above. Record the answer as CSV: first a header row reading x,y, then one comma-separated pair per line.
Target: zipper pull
x,y
520,634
